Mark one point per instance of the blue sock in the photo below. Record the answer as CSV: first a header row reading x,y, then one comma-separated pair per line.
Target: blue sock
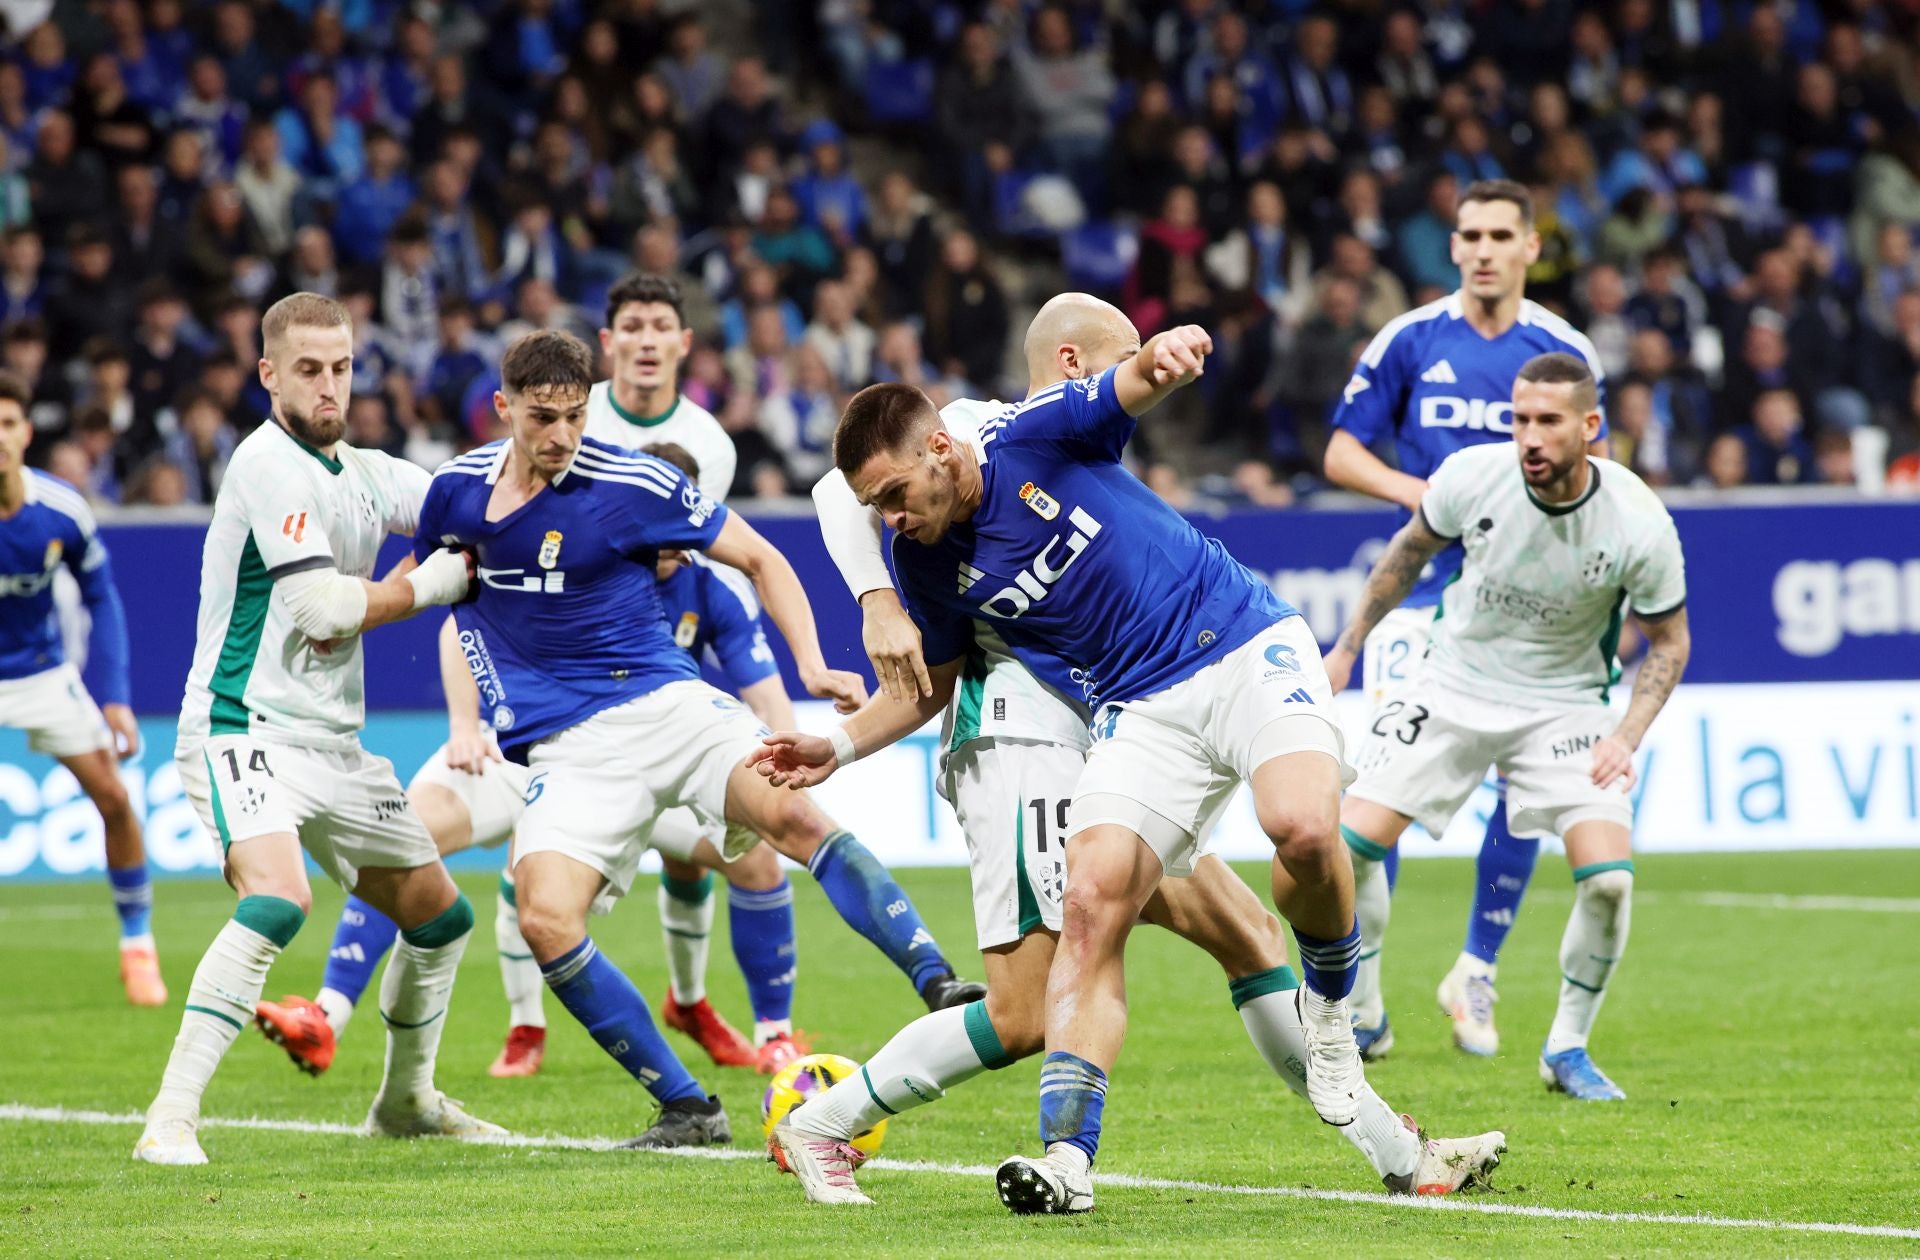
x,y
360,940
605,1002
1392,863
132,899
1329,966
763,945
873,905
1073,1094
1501,873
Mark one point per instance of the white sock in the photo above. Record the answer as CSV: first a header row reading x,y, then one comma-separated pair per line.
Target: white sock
x,y
765,1030
337,1007
1372,905
413,1001
142,941
519,974
220,1002
923,1061
1273,1023
685,927
1596,938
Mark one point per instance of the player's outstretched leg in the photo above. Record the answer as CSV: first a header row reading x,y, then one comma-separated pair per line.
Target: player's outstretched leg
x,y
1501,874
554,892
436,921
1373,906
686,924
860,888
98,774
1595,940
267,871
760,918
520,978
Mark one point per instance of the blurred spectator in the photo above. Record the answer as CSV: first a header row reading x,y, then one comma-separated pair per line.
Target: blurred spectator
x,y
320,142
370,205
1316,370
1892,269
370,426
800,251
143,246
1263,256
162,361
1382,297
156,483
225,250
23,286
23,347
1254,481
207,109
902,234
799,420
311,267
763,364
66,185
106,120
183,177
1320,95
201,446
967,317
1680,412
1824,145
410,294
1886,190
652,185
1605,317
745,115
1666,302
759,286
1833,458
524,51
1169,243
1635,436
457,235
1424,240
87,303
843,341
1714,245
830,197
268,184
981,118
1777,451
1073,130
1404,65
692,73
453,107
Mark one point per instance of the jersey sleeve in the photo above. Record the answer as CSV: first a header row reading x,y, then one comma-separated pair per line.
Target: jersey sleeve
x,y
1656,580
739,639
1082,417
108,652
1371,402
945,635
430,520
718,460
285,517
1448,496
406,489
659,509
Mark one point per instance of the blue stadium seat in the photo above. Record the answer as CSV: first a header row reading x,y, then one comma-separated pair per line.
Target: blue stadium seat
x,y
899,93
1098,255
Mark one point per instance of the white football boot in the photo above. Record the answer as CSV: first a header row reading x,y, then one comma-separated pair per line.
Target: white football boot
x,y
823,1163
170,1141
1059,1182
431,1115
1335,1080
1467,998
1451,1165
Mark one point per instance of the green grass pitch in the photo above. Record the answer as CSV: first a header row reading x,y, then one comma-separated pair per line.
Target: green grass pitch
x,y
1771,1056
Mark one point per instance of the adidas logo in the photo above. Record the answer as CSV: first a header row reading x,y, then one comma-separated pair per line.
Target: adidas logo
x,y
920,937
968,576
1440,373
351,952
1297,696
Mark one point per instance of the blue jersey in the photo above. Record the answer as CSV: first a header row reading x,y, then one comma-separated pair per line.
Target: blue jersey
x,y
1435,385
54,527
1096,585
567,619
711,621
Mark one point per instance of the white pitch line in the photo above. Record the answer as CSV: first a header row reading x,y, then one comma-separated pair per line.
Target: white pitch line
x,y
1477,1206
1787,901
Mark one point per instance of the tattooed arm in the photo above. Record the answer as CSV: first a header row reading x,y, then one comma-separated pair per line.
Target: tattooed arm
x,y
1668,645
1394,574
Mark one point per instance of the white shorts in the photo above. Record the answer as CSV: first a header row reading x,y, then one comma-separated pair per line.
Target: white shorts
x,y
1171,760
54,709
1012,797
495,798
344,803
594,790
1429,747
1397,645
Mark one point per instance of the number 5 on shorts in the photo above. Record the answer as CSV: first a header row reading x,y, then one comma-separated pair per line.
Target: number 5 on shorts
x,y
536,785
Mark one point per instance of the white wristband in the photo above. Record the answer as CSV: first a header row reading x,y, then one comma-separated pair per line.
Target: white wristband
x,y
843,749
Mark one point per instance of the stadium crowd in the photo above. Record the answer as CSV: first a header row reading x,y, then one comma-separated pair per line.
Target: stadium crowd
x,y
852,191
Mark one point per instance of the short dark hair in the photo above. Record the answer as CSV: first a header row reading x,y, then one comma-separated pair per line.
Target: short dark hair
x,y
13,388
1561,368
677,455
98,350
547,359
878,420
1501,190
28,328
645,287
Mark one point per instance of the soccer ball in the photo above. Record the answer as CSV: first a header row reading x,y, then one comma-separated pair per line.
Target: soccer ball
x,y
801,1080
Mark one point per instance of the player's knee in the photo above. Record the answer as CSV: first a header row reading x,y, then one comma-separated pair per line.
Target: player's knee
x,y
109,796
549,930
1095,903
794,822
1301,831
1608,890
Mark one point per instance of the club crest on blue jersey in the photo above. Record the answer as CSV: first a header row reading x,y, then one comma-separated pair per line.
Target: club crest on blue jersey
x,y
55,548
687,630
550,549
1040,501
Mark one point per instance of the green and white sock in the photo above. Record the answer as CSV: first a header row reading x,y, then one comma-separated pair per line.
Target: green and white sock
x,y
1595,939
414,995
686,924
1372,906
220,1001
1265,1003
922,1062
519,974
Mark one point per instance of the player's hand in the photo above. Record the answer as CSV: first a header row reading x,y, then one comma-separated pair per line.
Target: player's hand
x,y
893,645
1179,355
470,751
793,760
1339,667
125,731
1613,760
848,691
442,578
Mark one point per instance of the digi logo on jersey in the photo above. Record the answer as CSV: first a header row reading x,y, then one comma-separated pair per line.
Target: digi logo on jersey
x,y
1031,583
1438,412
523,582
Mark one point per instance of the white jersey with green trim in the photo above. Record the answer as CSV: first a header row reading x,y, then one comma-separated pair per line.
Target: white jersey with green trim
x,y
686,424
996,696
1534,613
285,508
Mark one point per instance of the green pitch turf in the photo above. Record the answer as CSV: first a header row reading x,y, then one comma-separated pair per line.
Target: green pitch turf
x,y
1771,1056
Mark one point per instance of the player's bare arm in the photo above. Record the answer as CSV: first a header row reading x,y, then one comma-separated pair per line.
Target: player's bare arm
x,y
1167,361
742,547
327,604
794,760
468,747
767,700
1669,643
1351,466
1393,575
